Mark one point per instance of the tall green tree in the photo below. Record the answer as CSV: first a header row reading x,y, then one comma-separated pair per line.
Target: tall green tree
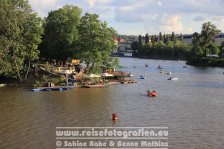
x,y
140,39
95,41
156,38
160,37
153,39
173,37
165,38
61,33
208,33
181,37
146,38
196,39
20,35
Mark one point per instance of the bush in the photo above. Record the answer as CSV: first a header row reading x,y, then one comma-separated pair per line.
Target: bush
x,y
44,80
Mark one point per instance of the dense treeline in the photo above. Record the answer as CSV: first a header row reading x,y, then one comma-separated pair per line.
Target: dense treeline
x,y
203,50
63,35
204,47
161,46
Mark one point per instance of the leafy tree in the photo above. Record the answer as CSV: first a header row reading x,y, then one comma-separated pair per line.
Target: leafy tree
x,y
181,37
160,37
153,39
196,39
165,38
208,33
156,38
146,38
213,49
20,35
95,41
181,49
173,37
198,52
135,47
61,33
170,48
140,39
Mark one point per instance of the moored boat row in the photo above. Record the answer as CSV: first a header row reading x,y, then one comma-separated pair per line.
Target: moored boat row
x,y
61,88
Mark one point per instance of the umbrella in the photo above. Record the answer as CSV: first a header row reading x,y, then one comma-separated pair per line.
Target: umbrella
x,y
106,75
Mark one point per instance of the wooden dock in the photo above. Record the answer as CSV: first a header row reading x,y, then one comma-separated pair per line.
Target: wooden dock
x,y
96,86
56,88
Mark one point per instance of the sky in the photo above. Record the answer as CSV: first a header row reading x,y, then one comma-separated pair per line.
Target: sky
x,y
134,17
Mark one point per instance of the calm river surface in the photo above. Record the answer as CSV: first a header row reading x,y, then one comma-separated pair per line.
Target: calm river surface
x,y
192,108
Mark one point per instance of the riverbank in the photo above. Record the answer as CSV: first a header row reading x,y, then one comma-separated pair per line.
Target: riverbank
x,y
160,58
206,62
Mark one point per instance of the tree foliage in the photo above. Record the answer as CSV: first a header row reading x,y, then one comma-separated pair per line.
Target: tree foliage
x,y
208,33
147,38
169,50
162,46
95,42
20,35
61,33
204,43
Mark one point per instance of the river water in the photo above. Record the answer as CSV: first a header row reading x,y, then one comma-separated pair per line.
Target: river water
x,y
192,108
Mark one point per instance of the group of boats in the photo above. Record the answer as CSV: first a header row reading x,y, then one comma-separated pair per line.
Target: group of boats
x,y
173,78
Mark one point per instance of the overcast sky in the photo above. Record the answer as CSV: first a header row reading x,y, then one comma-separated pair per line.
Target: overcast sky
x,y
134,17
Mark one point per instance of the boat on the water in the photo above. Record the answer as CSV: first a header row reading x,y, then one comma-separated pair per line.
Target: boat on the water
x,y
142,76
152,94
161,71
173,78
130,75
168,73
159,67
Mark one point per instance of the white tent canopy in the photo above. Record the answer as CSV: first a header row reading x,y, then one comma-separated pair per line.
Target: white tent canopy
x,y
106,75
94,76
